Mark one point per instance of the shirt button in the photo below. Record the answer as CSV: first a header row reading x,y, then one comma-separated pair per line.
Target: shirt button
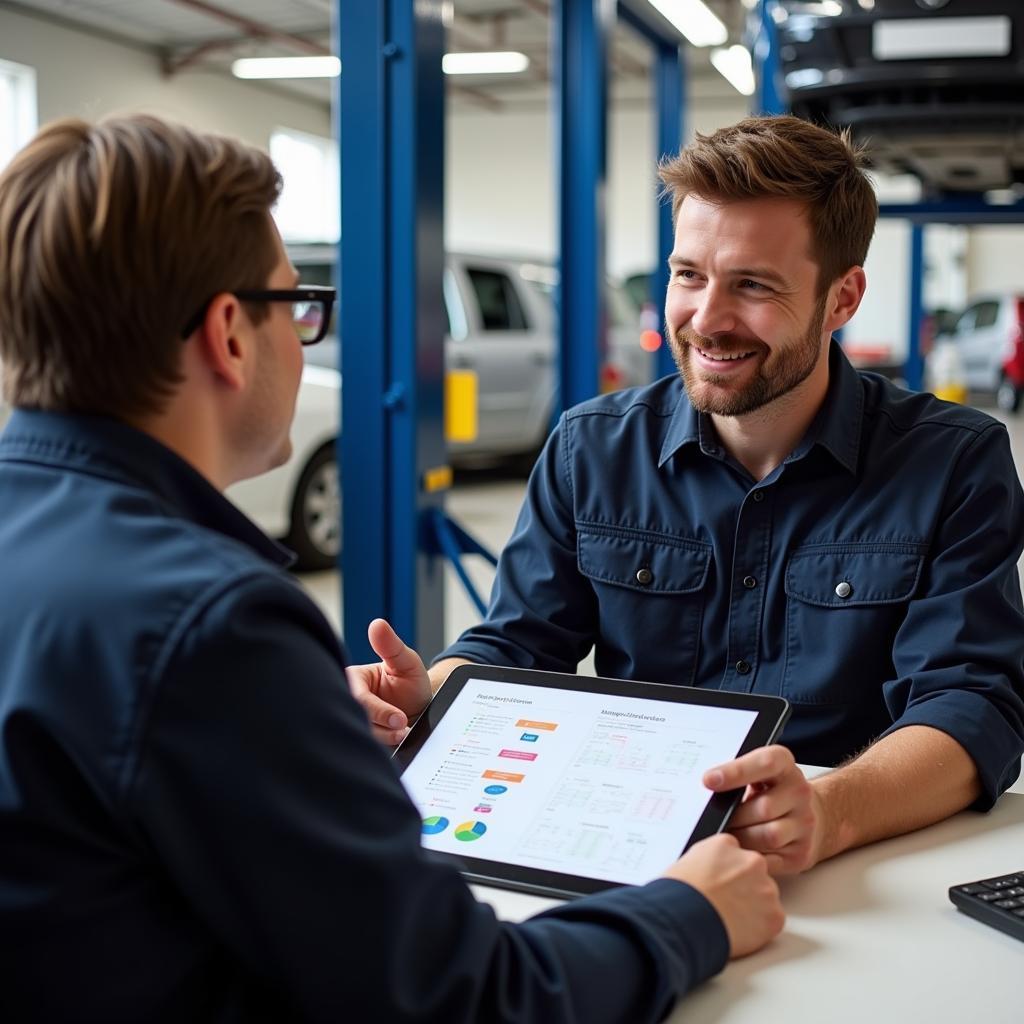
x,y
644,576
843,589
749,582
743,667
758,495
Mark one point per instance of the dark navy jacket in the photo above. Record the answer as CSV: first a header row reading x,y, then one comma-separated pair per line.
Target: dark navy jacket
x,y
195,823
871,579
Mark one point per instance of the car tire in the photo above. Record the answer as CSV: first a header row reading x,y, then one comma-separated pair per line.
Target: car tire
x,y
1008,395
315,532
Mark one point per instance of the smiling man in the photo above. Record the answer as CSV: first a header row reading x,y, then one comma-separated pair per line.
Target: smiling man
x,y
772,521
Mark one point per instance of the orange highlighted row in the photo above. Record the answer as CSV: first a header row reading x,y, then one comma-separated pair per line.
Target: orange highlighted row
x,y
503,776
525,723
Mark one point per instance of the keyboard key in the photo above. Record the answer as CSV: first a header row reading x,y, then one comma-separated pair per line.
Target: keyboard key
x,y
1009,904
1020,912
988,897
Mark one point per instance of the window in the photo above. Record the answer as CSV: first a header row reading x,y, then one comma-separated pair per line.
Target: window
x,y
986,314
309,209
500,309
18,118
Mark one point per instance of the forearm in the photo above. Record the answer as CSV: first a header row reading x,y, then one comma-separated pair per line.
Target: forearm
x,y
909,779
439,673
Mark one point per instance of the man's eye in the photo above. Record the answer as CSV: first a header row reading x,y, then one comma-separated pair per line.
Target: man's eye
x,y
754,285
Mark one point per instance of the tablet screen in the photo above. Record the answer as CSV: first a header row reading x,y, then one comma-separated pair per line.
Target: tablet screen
x,y
587,784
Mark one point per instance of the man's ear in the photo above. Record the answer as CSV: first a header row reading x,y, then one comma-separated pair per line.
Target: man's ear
x,y
844,297
221,340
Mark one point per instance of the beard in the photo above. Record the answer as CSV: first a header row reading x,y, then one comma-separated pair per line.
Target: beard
x,y
790,365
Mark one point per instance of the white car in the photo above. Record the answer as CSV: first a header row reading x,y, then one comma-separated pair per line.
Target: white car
x,y
501,326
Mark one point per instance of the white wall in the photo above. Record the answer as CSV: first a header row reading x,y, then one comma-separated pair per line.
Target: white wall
x,y
79,74
995,260
500,195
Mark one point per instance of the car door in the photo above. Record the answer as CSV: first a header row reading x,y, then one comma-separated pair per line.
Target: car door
x,y
979,340
508,342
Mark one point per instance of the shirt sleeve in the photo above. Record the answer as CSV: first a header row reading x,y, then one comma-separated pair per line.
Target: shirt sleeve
x,y
543,611
286,829
959,654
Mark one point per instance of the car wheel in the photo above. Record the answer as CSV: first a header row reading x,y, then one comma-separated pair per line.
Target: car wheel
x,y
315,534
1008,395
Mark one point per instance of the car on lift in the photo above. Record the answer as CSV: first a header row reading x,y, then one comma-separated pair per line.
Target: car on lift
x,y
501,325
933,86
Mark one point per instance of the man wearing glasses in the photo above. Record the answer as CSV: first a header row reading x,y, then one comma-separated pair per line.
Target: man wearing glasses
x,y
195,821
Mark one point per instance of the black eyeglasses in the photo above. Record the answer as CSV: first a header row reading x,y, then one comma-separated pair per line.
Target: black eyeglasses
x,y
311,309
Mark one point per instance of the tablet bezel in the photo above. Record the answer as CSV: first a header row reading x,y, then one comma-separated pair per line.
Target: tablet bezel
x,y
772,714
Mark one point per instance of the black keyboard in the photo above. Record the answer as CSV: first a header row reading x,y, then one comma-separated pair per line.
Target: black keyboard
x,y
996,901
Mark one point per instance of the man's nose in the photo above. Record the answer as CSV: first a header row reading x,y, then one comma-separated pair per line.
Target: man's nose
x,y
714,313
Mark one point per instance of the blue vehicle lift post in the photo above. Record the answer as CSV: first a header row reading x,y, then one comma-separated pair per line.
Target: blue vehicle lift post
x,y
392,455
580,92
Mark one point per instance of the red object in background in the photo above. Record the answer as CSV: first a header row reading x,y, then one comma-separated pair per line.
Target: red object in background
x,y
650,341
1014,365
612,378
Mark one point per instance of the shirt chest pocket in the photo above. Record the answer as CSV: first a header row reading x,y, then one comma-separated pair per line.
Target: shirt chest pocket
x,y
844,606
650,597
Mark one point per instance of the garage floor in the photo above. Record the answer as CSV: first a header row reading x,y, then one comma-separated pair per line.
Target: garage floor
x,y
486,503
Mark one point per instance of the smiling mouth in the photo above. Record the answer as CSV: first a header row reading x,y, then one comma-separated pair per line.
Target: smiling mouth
x,y
723,357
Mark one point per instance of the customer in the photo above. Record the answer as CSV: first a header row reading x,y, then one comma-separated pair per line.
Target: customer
x,y
195,822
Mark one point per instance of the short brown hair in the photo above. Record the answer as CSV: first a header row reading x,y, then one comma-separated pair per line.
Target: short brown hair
x,y
111,236
788,158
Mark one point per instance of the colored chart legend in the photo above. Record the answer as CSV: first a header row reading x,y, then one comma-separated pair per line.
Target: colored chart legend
x,y
470,831
525,723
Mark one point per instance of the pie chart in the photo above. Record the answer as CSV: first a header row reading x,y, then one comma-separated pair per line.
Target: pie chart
x,y
470,831
434,824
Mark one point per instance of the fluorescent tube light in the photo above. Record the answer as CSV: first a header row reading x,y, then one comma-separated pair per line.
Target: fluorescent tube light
x,y
734,64
286,67
498,62
694,19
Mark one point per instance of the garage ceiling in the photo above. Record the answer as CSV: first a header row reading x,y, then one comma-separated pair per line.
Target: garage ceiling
x,y
186,35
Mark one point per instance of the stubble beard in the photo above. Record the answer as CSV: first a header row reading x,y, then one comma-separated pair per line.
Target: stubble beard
x,y
791,366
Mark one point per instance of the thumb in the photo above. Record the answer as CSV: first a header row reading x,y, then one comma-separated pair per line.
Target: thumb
x,y
399,659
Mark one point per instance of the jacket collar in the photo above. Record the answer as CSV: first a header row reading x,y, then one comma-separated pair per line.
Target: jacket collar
x,y
109,448
836,426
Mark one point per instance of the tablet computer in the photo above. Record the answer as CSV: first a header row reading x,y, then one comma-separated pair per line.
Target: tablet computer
x,y
565,785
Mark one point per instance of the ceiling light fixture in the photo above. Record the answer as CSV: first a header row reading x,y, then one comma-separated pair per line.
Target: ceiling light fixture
x,y
482,63
286,67
497,62
694,19
734,64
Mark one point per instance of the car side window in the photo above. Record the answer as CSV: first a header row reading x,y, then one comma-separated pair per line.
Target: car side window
x,y
986,314
965,322
500,308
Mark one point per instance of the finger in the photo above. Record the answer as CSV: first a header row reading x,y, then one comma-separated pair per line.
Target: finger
x,y
764,765
381,713
774,803
772,836
399,659
388,737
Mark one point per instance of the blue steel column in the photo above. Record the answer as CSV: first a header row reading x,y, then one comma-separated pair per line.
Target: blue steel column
x,y
581,32
913,370
767,64
670,90
391,132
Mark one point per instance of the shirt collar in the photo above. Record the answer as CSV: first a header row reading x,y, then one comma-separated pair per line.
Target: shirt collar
x,y
836,427
110,448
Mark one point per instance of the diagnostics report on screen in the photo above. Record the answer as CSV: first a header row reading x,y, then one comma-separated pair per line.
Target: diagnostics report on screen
x,y
586,784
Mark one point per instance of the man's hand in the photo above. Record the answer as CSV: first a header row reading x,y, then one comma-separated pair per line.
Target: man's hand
x,y
780,816
737,884
393,691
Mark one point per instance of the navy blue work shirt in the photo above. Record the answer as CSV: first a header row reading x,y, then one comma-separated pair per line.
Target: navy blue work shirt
x,y
195,822
870,579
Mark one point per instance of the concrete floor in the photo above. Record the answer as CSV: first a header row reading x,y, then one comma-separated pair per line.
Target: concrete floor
x,y
486,503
